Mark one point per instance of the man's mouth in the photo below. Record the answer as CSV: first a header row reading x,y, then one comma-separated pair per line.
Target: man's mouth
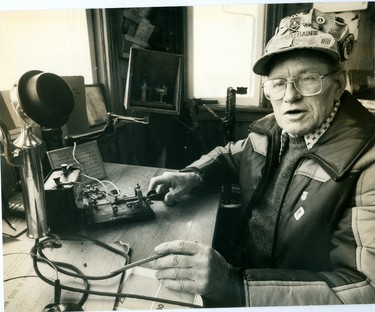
x,y
294,112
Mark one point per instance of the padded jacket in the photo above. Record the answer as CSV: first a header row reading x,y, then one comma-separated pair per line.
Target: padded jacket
x,y
323,251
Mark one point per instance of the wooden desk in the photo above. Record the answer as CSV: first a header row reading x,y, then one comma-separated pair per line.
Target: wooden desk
x,y
192,219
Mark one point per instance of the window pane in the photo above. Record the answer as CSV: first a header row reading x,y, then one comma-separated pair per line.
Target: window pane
x,y
224,43
48,40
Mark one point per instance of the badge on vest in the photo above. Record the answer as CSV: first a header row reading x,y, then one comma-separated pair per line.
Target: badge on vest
x,y
299,213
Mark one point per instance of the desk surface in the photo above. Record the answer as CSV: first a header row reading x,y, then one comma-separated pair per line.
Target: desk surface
x,y
192,219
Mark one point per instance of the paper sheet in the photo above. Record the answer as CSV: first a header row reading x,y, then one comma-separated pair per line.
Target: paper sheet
x,y
27,290
87,154
142,281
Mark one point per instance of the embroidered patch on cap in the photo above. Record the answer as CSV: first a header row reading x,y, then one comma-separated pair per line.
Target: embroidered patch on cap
x,y
322,31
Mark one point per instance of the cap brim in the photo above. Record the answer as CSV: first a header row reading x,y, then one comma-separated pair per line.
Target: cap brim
x,y
262,65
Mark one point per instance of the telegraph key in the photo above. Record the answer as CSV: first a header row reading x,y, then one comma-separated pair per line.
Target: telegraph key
x,y
100,209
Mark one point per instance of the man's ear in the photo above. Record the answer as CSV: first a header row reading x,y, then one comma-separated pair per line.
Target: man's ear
x,y
341,81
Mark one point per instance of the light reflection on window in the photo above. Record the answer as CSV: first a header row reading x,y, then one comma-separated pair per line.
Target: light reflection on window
x,y
224,42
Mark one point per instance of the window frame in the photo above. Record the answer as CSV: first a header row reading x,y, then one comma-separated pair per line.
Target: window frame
x,y
254,102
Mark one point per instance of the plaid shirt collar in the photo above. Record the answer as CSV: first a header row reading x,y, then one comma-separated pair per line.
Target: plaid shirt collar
x,y
312,137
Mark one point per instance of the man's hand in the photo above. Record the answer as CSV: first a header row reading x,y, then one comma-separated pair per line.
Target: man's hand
x,y
178,184
196,268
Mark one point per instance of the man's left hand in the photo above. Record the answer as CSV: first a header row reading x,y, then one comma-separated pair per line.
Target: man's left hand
x,y
193,267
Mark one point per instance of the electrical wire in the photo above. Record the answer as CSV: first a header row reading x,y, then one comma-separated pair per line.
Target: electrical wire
x,y
33,254
97,180
86,290
39,249
59,264
17,277
117,189
90,177
74,153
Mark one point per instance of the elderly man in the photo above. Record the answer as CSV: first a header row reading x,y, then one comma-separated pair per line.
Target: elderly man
x,y
306,174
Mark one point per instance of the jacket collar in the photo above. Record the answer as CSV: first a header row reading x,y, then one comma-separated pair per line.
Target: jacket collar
x,y
350,134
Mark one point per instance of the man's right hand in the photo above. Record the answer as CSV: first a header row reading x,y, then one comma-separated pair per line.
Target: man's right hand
x,y
178,184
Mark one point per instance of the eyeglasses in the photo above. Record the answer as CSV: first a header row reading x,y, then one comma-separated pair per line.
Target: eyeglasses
x,y
307,84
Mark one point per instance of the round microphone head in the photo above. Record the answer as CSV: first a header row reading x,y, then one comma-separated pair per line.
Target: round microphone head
x,y
45,98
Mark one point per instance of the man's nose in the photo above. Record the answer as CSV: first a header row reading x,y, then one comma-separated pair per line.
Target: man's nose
x,y
291,93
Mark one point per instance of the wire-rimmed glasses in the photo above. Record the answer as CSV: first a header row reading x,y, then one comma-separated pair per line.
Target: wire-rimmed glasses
x,y
307,84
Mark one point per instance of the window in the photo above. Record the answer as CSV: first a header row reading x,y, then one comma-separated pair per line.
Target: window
x,y
56,41
223,43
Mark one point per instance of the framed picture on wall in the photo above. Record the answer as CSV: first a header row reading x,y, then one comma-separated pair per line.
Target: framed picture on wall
x,y
153,82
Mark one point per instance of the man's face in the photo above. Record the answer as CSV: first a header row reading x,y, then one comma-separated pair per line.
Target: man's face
x,y
295,113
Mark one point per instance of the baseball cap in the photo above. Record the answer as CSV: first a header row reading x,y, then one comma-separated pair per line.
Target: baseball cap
x,y
324,32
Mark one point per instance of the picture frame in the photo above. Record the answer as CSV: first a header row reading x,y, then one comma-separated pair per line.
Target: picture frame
x,y
154,82
95,105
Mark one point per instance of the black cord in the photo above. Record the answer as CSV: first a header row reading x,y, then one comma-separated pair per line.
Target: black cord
x,y
52,283
17,277
87,291
70,236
